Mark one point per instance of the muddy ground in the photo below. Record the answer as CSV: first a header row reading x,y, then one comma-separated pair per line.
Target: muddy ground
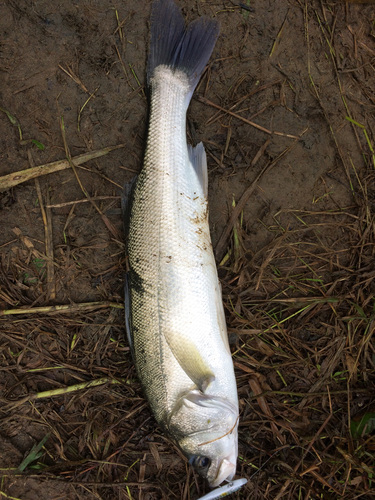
x,y
286,113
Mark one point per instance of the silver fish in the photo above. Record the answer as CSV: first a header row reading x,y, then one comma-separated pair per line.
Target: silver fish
x,y
174,313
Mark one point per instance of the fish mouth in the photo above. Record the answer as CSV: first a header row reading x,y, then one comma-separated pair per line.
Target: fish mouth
x,y
226,471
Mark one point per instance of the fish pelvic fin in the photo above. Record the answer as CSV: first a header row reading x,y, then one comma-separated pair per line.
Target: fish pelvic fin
x,y
180,47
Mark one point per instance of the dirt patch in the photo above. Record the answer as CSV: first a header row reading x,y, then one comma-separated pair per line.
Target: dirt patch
x,y
288,97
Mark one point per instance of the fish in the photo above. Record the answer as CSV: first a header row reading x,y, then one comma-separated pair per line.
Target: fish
x,y
174,317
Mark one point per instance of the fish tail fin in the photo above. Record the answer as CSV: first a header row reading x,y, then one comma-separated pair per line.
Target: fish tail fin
x,y
182,48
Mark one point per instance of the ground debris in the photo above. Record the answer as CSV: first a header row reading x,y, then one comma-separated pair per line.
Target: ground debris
x,y
292,219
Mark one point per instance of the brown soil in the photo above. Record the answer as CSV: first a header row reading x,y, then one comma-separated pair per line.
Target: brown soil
x,y
298,280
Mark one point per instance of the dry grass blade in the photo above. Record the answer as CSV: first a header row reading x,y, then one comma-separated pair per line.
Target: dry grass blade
x,y
221,244
46,215
298,277
51,288
255,125
84,200
60,308
64,390
91,96
11,180
255,387
244,98
47,221
278,37
30,246
105,219
69,71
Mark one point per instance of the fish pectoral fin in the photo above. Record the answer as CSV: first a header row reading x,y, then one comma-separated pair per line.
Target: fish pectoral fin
x,y
191,361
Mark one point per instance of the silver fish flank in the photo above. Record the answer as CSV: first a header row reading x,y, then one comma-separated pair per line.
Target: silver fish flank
x,y
174,313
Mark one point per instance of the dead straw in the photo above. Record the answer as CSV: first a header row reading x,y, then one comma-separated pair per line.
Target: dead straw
x,y
11,180
84,306
253,124
221,244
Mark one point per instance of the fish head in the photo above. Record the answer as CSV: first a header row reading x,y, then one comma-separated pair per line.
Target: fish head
x,y
205,428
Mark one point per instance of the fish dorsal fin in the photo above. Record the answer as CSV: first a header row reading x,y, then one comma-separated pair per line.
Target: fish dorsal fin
x,y
190,360
198,159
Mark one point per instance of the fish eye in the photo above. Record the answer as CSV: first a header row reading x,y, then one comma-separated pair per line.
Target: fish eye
x,y
201,463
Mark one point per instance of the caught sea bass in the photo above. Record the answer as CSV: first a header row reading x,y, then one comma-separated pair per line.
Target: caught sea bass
x,y
174,313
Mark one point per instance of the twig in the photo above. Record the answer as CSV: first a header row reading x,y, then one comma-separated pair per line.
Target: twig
x,y
29,245
262,402
61,308
65,390
11,180
105,219
74,77
84,200
253,92
51,289
220,247
47,221
255,125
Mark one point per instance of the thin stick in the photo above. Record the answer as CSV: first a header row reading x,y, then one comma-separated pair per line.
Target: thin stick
x,y
51,288
11,180
220,247
47,221
51,294
84,200
255,91
105,219
74,77
255,125
29,245
61,308
66,390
